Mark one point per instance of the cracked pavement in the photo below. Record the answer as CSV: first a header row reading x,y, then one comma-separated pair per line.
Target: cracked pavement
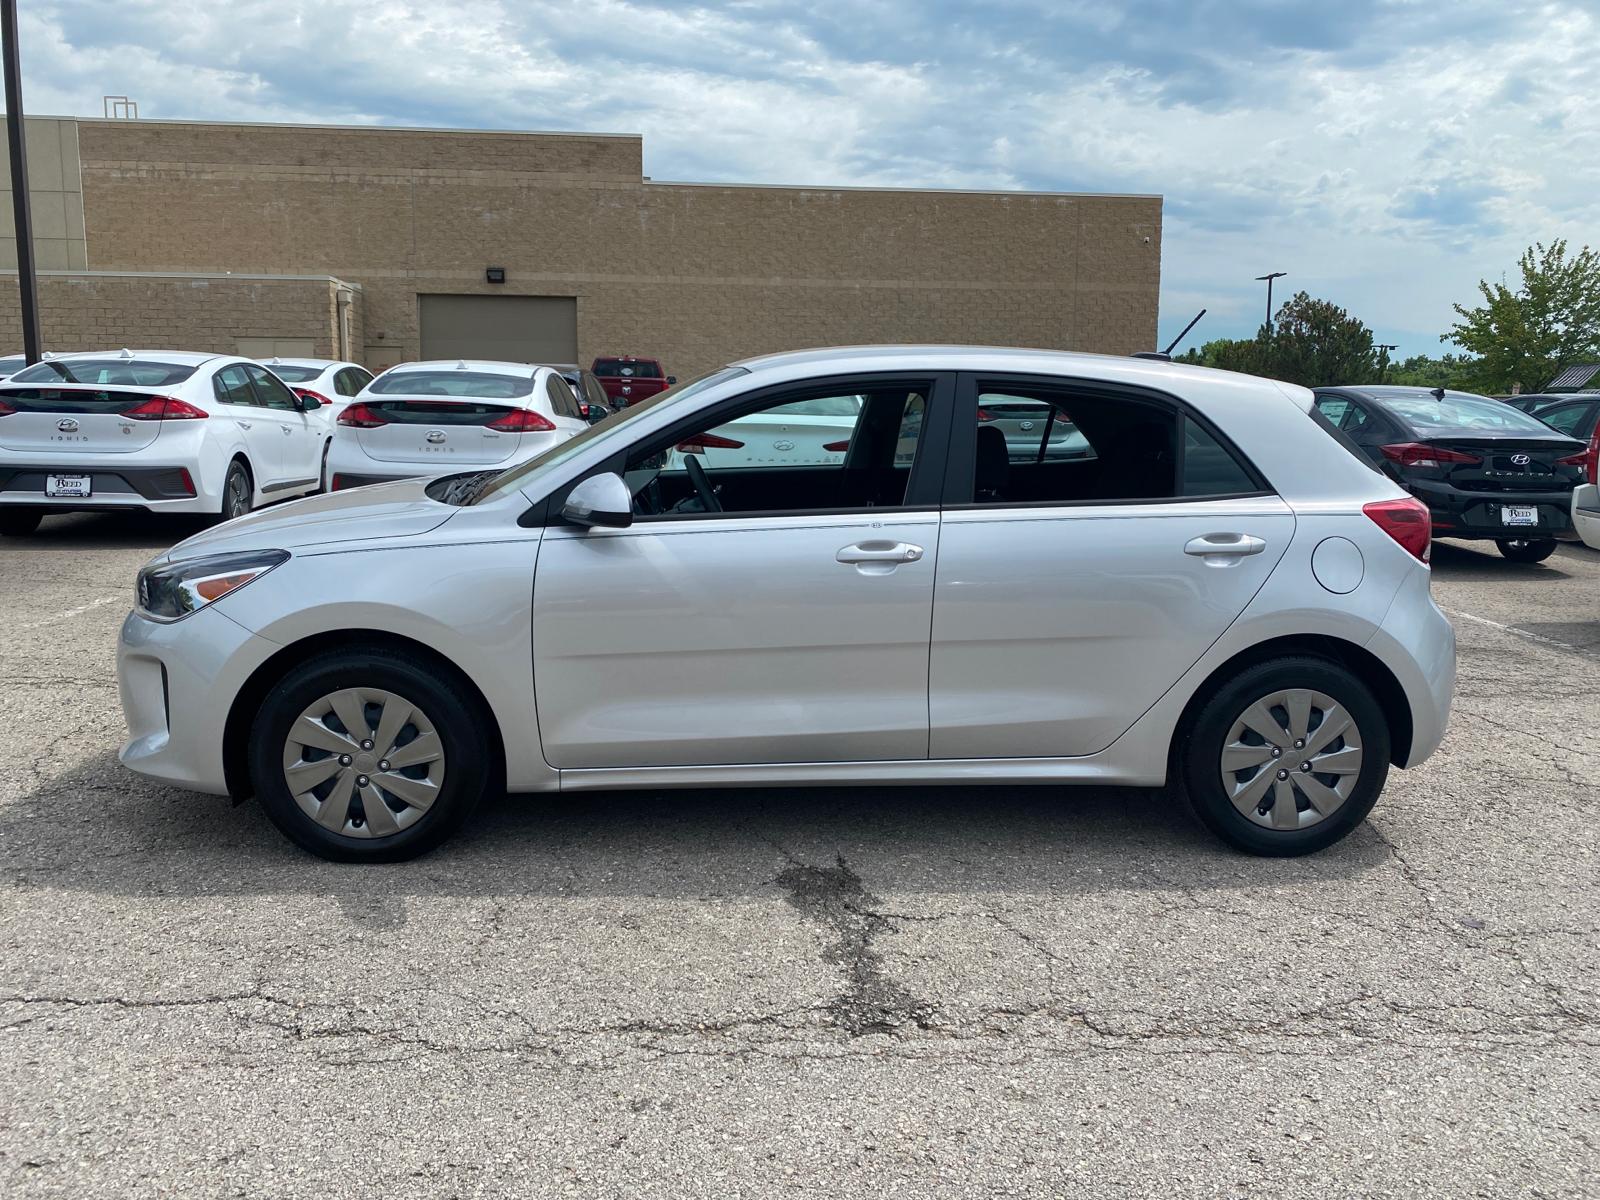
x,y
920,992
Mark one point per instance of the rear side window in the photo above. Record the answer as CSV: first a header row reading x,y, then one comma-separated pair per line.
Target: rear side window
x,y
1574,420
1319,418
563,400
121,371
1050,446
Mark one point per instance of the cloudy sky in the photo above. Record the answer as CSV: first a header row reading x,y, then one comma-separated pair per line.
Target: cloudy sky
x,y
1385,153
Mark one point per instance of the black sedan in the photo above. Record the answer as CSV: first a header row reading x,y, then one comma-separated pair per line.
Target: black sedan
x,y
1485,469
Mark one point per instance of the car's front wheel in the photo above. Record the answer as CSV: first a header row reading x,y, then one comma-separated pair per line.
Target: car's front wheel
x,y
19,522
369,755
1287,757
1527,550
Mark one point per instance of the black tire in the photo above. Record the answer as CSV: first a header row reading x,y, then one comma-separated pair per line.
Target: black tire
x,y
458,717
1526,550
237,492
322,476
1198,758
19,522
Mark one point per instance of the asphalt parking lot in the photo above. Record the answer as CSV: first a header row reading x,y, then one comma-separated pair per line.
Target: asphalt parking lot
x,y
943,992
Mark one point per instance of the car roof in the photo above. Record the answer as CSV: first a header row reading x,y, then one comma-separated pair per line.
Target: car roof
x,y
468,364
279,361
1156,373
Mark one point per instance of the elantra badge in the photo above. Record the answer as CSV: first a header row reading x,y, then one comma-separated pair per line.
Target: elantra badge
x,y
67,425
1520,460
435,436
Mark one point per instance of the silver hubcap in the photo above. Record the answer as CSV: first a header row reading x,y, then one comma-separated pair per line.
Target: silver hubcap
x,y
1291,759
363,763
238,495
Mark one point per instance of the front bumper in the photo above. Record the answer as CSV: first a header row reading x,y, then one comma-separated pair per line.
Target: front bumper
x,y
178,682
1459,514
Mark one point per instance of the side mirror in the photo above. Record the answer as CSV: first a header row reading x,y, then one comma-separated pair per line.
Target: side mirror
x,y
309,404
672,381
596,413
599,500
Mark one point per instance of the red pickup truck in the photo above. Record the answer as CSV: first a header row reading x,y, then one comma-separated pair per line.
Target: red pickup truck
x,y
628,380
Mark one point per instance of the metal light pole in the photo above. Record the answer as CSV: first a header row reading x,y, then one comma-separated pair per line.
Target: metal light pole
x,y
1268,278
22,214
1383,349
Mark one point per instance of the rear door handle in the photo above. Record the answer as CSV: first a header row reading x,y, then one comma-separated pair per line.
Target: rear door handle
x,y
244,424
1224,545
879,552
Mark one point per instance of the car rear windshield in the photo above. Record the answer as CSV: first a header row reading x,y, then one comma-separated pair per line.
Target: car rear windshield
x,y
70,400
294,374
126,372
1464,414
630,370
483,385
437,412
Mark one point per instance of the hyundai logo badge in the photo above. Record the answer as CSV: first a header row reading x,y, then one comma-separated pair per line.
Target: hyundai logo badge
x,y
1517,460
67,425
1025,426
435,436
783,444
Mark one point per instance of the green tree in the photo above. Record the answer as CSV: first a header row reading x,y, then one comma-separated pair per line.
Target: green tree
x,y
1530,335
1452,371
1312,342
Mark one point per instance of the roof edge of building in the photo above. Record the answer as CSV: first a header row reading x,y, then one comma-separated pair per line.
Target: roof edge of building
x,y
7,271
350,128
922,191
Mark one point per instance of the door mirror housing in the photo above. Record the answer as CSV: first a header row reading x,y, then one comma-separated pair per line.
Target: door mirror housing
x,y
309,403
599,500
672,380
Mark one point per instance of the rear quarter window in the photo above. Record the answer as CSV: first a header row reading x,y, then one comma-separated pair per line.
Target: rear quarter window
x,y
1320,420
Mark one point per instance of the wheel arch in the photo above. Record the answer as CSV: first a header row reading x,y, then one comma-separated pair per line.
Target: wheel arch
x,y
1365,665
247,701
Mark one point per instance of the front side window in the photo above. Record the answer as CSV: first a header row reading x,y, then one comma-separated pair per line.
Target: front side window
x,y
818,452
1047,446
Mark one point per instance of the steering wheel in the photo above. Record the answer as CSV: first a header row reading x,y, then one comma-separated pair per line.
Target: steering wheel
x,y
702,483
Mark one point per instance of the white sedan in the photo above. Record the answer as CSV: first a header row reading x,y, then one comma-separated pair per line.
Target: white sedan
x,y
1223,596
157,430
427,418
331,382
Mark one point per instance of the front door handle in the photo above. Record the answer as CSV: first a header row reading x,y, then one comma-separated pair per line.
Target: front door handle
x,y
879,552
244,424
1224,545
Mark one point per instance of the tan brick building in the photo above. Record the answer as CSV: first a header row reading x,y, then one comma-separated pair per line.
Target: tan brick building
x,y
374,243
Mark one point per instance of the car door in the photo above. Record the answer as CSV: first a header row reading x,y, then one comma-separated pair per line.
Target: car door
x,y
241,403
300,448
789,627
1072,593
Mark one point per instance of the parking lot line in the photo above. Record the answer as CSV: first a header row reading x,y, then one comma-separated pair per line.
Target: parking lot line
x,y
1522,633
98,602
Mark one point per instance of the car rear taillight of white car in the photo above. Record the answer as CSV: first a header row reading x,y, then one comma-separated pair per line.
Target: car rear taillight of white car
x,y
522,420
164,408
1407,521
360,416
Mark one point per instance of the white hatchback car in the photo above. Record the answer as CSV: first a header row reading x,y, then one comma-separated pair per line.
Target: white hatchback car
x,y
1223,595
158,430
427,418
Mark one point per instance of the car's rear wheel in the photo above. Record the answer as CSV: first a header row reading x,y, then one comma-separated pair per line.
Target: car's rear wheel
x,y
1527,550
19,522
1287,757
236,491
369,755
322,479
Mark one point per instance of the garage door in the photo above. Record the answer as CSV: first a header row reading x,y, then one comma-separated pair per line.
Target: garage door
x,y
536,329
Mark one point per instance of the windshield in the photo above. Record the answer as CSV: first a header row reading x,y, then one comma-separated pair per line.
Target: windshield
x,y
125,371
294,374
15,363
1464,414
480,385
625,368
515,477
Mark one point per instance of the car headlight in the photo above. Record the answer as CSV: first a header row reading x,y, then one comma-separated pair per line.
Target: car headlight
x,y
171,591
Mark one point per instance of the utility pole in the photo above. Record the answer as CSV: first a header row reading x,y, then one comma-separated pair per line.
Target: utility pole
x,y
1383,357
1268,278
22,215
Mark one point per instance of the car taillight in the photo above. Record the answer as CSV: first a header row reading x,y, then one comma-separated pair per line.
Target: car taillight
x,y
1415,454
164,408
6,409
522,420
701,442
984,415
360,416
1406,521
836,447
308,394
1588,459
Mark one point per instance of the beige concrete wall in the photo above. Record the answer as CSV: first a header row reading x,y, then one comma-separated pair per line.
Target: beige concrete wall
x,y
91,311
696,275
55,196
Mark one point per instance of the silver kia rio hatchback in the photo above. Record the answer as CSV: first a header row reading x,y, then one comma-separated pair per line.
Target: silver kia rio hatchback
x,y
1212,591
